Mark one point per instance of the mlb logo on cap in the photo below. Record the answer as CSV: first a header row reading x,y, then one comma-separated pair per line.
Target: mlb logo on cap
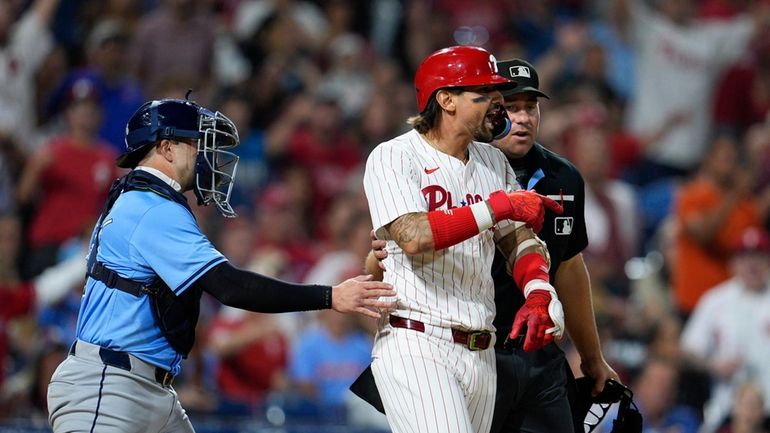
x,y
524,74
519,71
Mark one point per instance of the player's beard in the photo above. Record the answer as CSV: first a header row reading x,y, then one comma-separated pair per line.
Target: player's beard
x,y
484,132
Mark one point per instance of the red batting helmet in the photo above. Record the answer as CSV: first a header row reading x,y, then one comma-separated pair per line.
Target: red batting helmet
x,y
458,66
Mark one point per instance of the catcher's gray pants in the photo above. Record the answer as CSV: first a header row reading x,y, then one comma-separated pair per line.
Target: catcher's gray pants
x,y
85,395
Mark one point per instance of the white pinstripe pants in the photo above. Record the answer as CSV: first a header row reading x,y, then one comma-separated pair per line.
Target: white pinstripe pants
x,y
430,384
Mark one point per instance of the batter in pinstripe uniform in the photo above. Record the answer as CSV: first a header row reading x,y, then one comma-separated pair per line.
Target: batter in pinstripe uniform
x,y
434,193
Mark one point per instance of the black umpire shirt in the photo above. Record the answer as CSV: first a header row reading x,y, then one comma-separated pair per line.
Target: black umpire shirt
x,y
552,175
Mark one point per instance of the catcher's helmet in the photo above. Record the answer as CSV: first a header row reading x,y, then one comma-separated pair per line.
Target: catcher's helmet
x,y
458,66
180,119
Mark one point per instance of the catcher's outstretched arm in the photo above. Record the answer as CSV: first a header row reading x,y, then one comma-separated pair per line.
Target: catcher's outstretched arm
x,y
255,292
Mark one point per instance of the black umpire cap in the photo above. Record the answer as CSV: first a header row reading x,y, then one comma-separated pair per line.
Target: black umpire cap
x,y
523,73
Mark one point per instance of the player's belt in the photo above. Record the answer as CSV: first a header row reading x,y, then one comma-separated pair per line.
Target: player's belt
x,y
123,361
473,340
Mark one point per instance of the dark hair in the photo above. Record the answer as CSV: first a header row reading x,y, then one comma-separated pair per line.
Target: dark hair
x,y
137,156
426,120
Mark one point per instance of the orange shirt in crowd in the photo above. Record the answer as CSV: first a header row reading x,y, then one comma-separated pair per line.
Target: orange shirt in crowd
x,y
698,267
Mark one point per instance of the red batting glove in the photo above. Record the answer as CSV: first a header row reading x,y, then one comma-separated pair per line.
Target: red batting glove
x,y
522,205
538,313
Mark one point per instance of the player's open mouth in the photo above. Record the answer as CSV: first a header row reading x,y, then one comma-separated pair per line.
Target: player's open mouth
x,y
521,133
490,117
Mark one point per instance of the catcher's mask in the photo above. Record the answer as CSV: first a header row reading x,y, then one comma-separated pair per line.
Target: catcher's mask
x,y
593,409
214,167
180,119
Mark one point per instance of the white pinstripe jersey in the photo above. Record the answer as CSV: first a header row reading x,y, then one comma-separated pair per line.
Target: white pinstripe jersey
x,y
452,287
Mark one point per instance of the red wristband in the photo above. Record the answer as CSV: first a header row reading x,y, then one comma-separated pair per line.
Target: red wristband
x,y
501,205
450,227
530,267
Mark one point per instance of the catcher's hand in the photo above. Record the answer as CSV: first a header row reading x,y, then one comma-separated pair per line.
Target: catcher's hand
x,y
362,295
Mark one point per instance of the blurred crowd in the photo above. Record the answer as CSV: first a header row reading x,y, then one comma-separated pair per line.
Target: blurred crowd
x,y
663,105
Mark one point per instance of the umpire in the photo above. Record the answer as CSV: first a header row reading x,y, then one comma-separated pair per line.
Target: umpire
x,y
148,266
532,386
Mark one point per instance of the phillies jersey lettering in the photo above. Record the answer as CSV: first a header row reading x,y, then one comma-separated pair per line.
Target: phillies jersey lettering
x,y
437,197
452,287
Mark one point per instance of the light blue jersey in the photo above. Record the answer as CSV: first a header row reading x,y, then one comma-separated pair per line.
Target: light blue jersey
x,y
142,236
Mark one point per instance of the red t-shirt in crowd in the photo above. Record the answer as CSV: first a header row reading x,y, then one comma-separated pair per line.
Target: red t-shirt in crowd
x,y
738,101
73,190
249,374
329,164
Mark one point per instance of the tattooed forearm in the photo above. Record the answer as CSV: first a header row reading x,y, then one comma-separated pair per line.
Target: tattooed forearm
x,y
412,233
407,227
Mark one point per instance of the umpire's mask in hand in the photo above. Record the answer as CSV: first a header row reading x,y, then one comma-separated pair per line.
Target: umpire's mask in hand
x,y
593,409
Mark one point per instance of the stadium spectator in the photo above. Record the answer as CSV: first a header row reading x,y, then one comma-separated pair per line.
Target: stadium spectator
x,y
279,233
611,211
742,96
748,413
67,179
679,60
348,225
252,357
727,334
253,170
312,136
326,359
119,95
21,297
24,45
655,393
183,23
712,210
